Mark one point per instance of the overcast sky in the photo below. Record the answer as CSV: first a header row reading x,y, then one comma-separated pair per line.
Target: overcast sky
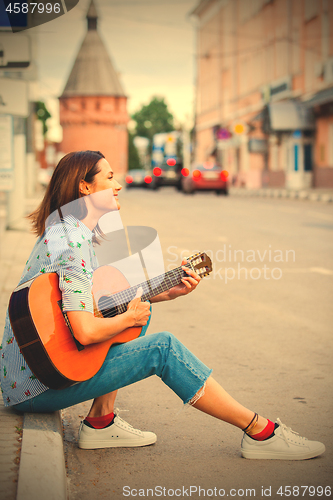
x,y
151,42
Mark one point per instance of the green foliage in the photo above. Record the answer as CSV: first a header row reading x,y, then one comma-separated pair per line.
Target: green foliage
x,y
153,118
42,114
133,156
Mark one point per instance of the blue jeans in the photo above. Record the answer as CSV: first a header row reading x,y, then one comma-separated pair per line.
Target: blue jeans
x,y
158,354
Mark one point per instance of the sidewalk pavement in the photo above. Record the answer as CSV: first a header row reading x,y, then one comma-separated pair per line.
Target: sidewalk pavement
x,y
312,194
32,464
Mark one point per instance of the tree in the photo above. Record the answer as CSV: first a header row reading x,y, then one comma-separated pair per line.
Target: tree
x,y
133,156
42,114
152,119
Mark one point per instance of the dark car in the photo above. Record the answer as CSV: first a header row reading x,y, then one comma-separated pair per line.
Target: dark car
x,y
205,177
167,173
138,178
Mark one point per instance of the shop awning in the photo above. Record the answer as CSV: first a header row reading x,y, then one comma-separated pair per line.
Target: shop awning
x,y
290,115
322,97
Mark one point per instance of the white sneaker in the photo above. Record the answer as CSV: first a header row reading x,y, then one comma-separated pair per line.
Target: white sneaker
x,y
118,434
284,445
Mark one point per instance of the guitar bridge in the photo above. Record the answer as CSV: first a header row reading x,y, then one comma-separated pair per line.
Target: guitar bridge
x,y
79,346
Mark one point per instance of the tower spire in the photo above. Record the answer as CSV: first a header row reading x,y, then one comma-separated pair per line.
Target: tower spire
x,y
92,17
93,72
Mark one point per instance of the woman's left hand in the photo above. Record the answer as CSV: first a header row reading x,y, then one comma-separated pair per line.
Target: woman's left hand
x,y
188,284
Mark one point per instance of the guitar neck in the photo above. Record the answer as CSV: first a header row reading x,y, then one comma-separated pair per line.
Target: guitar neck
x,y
150,288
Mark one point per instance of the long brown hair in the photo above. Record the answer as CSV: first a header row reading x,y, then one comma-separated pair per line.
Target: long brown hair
x,y
64,187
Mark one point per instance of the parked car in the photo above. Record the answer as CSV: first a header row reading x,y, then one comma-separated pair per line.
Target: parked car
x,y
167,173
138,178
206,176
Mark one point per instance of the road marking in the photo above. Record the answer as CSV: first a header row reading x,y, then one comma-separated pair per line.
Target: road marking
x,y
296,270
321,270
289,270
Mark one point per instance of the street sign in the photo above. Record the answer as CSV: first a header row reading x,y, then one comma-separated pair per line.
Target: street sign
x,y
239,128
223,134
13,97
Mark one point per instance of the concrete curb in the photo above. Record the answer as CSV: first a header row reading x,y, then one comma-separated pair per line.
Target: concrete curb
x,y
11,425
311,195
42,472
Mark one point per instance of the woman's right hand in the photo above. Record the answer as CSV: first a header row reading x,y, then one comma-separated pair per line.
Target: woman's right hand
x,y
139,311
90,329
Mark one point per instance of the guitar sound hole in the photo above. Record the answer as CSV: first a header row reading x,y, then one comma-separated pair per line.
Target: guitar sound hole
x,y
106,307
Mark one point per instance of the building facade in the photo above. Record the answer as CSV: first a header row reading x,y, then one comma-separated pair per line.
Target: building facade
x,y
264,90
93,105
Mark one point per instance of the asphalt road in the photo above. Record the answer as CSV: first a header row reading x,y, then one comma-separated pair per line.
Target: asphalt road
x,y
262,320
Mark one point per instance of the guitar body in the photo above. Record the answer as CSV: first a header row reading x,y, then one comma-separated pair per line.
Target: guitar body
x,y
44,334
44,338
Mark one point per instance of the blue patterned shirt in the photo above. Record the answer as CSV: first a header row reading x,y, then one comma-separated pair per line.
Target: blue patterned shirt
x,y
67,249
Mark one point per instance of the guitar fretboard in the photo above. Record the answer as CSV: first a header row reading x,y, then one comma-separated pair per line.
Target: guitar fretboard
x,y
150,288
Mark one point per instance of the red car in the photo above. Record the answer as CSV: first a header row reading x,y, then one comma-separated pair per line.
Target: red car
x,y
137,178
205,177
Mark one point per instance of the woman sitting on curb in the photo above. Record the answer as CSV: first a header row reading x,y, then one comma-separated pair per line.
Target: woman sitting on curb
x,y
86,176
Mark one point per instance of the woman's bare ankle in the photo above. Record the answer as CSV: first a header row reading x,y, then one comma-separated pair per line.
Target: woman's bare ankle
x,y
100,409
260,426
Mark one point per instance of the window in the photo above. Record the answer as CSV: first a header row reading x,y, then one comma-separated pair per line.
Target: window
x,y
243,75
249,8
307,157
311,9
257,68
73,106
296,55
331,145
274,154
281,52
270,59
310,60
296,147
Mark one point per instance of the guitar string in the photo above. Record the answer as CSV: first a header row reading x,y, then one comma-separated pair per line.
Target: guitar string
x,y
120,297
165,285
171,278
124,294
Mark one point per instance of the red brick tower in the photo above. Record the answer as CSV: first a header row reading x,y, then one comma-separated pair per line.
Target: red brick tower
x,y
93,111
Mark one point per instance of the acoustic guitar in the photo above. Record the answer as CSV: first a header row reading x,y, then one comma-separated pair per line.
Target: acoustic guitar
x,y
43,331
